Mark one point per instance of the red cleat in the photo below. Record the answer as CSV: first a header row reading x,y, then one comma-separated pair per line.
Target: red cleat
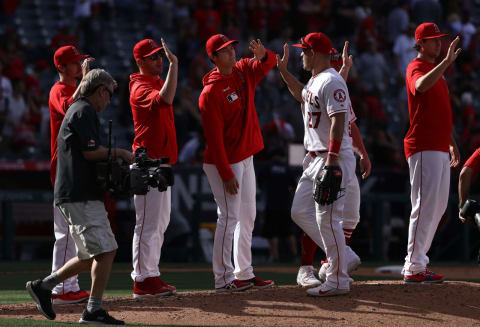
x,y
70,297
260,283
152,286
424,277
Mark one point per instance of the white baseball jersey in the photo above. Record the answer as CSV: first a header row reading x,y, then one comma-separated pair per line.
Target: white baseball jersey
x,y
324,95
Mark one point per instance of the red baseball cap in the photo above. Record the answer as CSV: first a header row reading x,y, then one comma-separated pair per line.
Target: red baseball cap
x,y
145,48
318,42
428,31
66,55
217,42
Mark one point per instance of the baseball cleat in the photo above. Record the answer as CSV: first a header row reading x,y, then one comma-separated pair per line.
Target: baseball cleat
x,y
235,286
70,297
352,265
325,290
423,277
42,298
306,277
99,317
260,283
152,287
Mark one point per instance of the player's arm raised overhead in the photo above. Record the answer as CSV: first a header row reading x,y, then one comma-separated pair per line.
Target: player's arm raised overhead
x,y
347,62
294,85
425,82
167,92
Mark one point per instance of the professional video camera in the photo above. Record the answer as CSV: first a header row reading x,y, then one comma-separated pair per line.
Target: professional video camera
x,y
123,182
149,172
471,211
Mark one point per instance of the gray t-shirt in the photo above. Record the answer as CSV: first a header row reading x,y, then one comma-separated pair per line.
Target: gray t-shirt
x,y
76,177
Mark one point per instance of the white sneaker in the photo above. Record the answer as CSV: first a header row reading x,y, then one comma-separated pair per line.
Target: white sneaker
x,y
306,277
352,265
324,290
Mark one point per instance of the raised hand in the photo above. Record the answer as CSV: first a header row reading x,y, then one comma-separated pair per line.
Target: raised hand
x,y
347,59
170,56
452,54
257,48
282,63
86,65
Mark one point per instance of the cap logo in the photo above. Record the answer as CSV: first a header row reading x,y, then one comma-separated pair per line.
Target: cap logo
x,y
224,38
152,44
75,51
437,30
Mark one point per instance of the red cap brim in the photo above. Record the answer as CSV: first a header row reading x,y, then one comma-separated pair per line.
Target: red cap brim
x,y
298,45
153,51
434,36
227,44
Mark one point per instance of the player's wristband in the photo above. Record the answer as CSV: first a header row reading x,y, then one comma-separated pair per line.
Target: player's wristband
x,y
265,57
334,148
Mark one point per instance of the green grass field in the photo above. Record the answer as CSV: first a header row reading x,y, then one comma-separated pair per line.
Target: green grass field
x,y
13,277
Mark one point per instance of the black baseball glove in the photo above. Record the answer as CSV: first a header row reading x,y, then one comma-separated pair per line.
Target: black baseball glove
x,y
327,185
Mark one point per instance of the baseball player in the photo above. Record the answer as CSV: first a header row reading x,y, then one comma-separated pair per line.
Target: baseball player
x,y
351,212
470,170
151,101
427,145
233,136
70,67
326,111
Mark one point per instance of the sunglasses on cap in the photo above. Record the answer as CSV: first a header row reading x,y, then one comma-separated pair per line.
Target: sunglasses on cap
x,y
155,56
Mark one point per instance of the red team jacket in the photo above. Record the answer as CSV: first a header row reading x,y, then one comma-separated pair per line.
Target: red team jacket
x,y
152,118
474,162
229,117
430,112
59,100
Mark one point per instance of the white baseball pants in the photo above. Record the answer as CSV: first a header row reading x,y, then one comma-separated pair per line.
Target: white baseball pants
x,y
326,222
430,183
152,218
236,218
64,249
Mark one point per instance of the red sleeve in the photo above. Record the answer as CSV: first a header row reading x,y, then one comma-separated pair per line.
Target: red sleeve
x,y
474,161
146,97
213,129
414,72
258,68
64,101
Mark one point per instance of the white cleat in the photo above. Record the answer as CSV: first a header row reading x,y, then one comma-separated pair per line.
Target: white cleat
x,y
324,290
352,265
306,277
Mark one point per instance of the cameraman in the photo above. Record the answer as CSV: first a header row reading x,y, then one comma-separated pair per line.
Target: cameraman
x,y
79,198
151,101
470,170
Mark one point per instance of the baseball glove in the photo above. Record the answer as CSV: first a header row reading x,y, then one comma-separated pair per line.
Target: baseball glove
x,y
327,185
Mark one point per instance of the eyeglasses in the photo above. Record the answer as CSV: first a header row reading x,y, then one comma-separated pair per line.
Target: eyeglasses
x,y
154,56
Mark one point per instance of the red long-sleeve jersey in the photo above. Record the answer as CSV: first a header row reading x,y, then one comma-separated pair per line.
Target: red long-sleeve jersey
x,y
229,117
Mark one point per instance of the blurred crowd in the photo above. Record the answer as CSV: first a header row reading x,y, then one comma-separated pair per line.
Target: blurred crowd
x,y
381,41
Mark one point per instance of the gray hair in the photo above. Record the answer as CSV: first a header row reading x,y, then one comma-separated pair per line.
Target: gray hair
x,y
91,81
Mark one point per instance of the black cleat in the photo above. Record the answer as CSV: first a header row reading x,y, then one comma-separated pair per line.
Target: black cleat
x,y
99,317
42,298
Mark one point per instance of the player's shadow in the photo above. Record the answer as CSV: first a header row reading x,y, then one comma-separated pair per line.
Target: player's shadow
x,y
423,303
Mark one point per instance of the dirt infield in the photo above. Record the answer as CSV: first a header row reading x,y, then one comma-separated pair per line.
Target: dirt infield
x,y
370,303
